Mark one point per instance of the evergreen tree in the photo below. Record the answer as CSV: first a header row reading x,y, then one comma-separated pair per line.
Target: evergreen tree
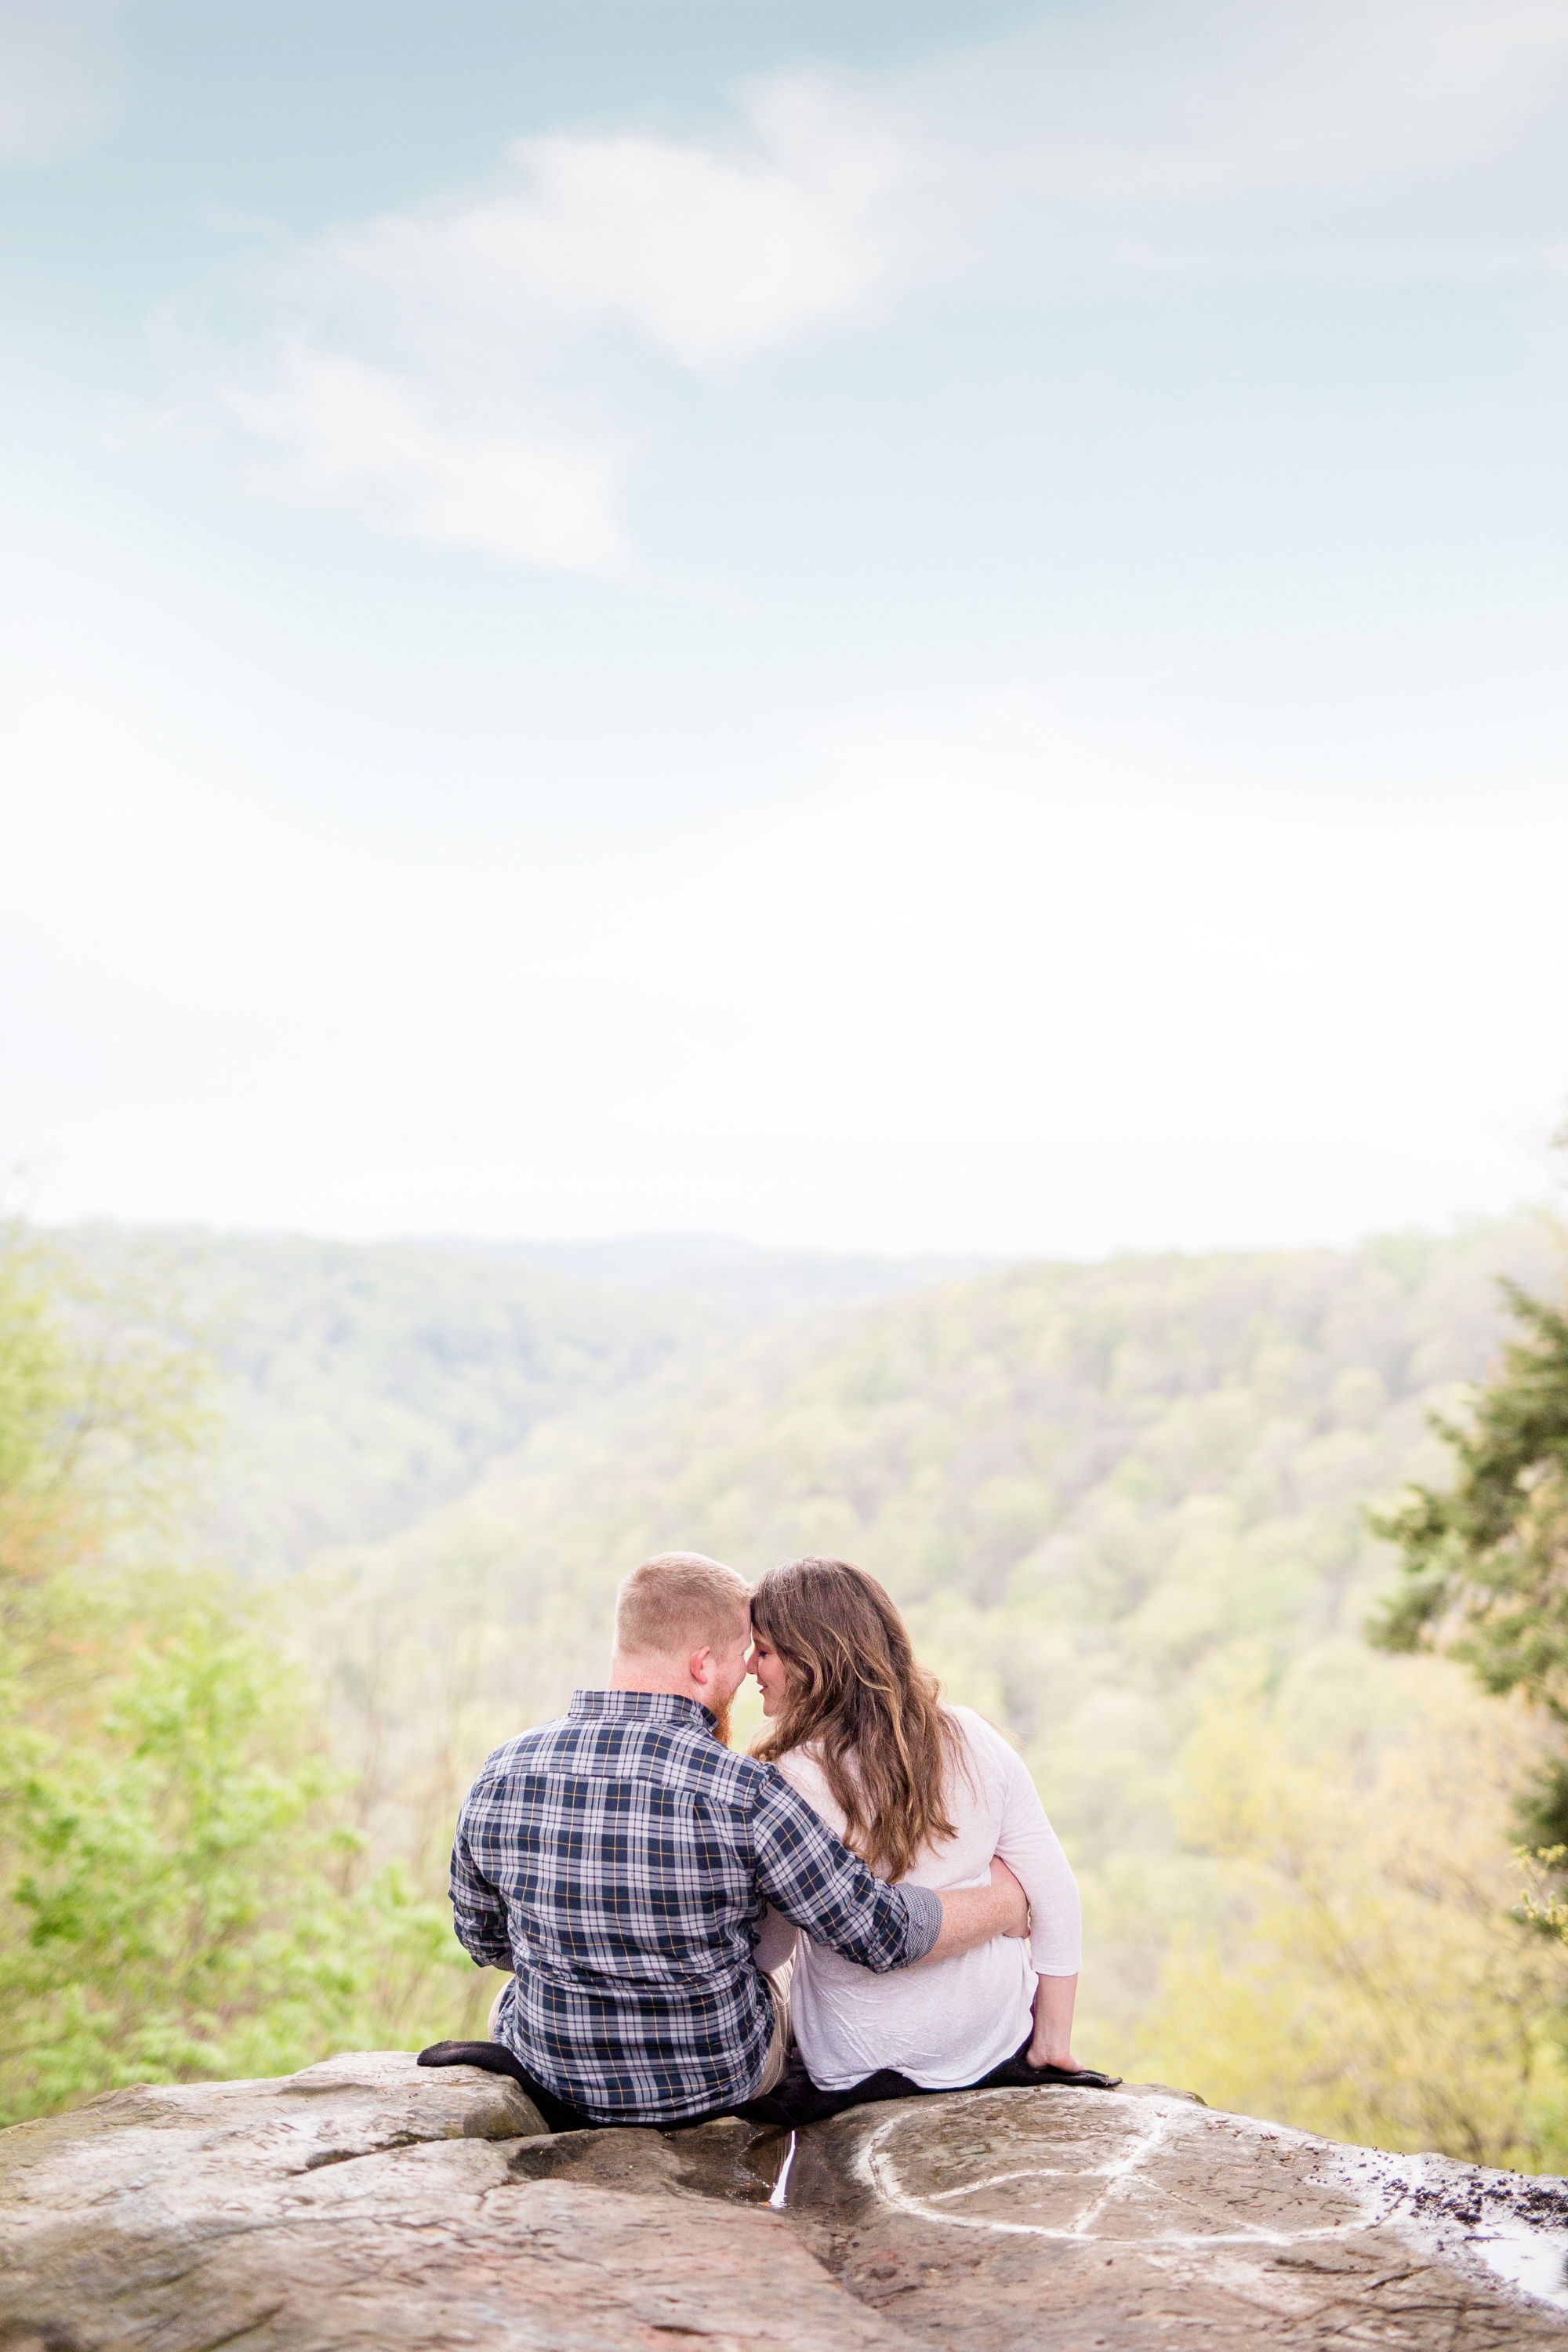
x,y
1485,1559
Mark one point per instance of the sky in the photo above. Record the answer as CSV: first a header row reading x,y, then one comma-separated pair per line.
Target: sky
x,y
899,626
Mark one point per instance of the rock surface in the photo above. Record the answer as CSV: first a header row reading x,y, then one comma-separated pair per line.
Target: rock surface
x,y
370,2203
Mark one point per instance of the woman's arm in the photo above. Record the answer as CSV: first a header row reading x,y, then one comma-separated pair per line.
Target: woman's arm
x,y
1051,2042
1030,1847
1034,1850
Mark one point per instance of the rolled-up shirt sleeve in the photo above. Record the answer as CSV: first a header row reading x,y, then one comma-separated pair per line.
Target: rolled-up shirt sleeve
x,y
478,1911
819,1885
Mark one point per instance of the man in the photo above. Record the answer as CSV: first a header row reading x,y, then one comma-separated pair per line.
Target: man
x,y
619,1858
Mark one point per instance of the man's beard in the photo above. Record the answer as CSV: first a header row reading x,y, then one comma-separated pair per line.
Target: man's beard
x,y
722,1720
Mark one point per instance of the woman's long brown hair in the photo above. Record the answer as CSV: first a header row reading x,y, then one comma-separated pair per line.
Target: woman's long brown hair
x,y
868,1709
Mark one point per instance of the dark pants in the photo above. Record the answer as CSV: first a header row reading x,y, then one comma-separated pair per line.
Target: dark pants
x,y
797,2100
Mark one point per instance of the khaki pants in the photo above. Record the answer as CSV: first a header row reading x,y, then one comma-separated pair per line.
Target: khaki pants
x,y
777,1982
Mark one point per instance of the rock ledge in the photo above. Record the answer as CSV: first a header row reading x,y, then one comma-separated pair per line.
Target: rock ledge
x,y
368,2203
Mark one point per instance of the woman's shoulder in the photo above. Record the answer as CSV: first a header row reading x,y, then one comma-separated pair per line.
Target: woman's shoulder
x,y
974,1726
801,1768
984,1742
797,1764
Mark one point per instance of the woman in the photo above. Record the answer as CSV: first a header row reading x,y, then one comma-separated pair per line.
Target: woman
x,y
920,1791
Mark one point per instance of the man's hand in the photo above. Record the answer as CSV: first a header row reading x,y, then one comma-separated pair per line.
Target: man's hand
x,y
975,1915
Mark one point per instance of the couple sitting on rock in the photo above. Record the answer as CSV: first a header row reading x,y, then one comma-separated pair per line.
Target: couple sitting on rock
x,y
871,1905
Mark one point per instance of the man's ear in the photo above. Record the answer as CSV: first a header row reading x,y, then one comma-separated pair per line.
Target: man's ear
x,y
700,1665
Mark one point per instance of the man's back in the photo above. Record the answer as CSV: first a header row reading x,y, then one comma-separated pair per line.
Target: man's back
x,y
618,1858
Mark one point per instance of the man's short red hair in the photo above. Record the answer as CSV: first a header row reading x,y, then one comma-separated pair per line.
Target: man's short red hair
x,y
680,1601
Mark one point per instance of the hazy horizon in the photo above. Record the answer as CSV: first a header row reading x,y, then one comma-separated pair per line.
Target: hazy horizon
x,y
717,1246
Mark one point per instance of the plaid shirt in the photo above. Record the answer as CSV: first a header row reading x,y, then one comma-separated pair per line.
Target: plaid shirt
x,y
620,1859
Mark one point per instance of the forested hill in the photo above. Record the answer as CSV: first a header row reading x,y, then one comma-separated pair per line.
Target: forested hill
x,y
1083,1478
1124,1504
361,1386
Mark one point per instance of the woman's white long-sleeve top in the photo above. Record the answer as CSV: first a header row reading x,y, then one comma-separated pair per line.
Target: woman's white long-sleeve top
x,y
942,2022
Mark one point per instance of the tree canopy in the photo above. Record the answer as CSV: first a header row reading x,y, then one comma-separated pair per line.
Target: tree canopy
x,y
1123,1503
180,1893
1485,1559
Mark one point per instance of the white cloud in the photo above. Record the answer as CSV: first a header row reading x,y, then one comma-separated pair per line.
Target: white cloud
x,y
59,75
463,370
436,370
1150,110
343,430
713,253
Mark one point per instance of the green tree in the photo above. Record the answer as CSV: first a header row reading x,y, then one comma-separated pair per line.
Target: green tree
x,y
1362,1969
179,1895
179,1892
1485,1559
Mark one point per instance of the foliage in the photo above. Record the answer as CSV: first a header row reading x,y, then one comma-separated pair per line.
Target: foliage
x,y
1366,1973
1084,1483
95,1408
1486,1559
1542,1899
177,1894
158,1883
362,1386
1095,1489
1113,1499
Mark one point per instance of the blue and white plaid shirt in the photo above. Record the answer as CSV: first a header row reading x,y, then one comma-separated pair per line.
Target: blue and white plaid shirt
x,y
619,1859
